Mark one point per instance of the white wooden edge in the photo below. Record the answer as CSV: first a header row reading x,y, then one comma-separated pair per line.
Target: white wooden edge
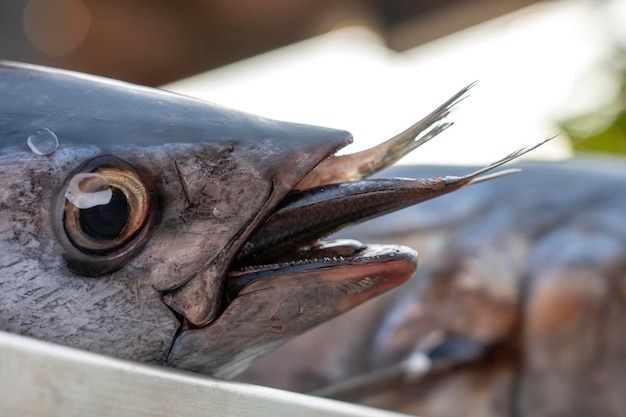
x,y
43,379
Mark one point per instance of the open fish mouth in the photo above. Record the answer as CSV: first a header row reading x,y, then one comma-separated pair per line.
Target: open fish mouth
x,y
286,279
337,194
364,269
185,233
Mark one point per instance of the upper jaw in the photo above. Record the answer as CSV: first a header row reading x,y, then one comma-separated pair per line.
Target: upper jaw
x,y
347,169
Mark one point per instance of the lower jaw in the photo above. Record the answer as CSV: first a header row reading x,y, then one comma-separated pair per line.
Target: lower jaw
x,y
339,261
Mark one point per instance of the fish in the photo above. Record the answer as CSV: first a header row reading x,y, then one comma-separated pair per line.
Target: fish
x,y
516,310
150,226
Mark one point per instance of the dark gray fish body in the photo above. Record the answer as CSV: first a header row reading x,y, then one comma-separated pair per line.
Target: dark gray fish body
x,y
517,308
151,230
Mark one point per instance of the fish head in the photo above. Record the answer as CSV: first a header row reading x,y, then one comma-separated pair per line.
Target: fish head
x,y
121,239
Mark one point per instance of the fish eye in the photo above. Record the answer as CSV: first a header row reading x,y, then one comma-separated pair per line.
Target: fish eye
x,y
105,210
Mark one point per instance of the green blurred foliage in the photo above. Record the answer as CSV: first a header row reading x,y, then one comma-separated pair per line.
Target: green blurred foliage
x,y
610,139
604,129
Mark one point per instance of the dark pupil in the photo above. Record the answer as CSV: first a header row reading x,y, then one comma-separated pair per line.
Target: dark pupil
x,y
106,221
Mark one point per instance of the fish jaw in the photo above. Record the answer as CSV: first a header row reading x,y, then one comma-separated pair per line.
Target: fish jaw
x,y
278,302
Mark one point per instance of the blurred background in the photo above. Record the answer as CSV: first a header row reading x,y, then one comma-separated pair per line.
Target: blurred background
x,y
369,66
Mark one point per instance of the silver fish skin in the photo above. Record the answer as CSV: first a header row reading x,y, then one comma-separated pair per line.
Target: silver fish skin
x,y
517,308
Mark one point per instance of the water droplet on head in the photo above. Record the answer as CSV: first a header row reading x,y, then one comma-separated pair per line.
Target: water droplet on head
x,y
43,142
89,190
